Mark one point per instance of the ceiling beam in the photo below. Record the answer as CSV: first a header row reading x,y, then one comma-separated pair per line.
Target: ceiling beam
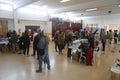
x,y
23,3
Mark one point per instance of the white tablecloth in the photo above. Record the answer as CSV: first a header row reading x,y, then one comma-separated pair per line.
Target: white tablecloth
x,y
75,44
4,41
115,72
115,69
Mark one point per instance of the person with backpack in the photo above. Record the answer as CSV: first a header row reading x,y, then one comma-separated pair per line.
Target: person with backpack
x,y
42,48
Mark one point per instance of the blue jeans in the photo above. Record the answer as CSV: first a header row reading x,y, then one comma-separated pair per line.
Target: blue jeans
x,y
115,40
97,43
42,58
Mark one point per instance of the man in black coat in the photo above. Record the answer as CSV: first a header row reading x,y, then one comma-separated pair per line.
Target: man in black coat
x,y
26,42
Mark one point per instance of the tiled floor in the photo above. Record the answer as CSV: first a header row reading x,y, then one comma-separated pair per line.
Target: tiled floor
x,y
19,67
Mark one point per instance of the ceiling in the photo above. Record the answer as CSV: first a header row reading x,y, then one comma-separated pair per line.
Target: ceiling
x,y
77,7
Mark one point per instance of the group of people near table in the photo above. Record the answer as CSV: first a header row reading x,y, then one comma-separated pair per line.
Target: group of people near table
x,y
62,38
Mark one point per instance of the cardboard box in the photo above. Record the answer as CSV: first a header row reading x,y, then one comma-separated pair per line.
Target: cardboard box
x,y
75,57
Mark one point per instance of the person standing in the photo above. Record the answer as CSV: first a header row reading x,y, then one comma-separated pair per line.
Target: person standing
x,y
110,36
43,51
61,42
103,40
91,39
56,40
26,42
115,37
34,43
14,39
115,41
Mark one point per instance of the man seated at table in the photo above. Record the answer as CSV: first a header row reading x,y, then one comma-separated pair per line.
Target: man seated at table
x,y
84,47
1,44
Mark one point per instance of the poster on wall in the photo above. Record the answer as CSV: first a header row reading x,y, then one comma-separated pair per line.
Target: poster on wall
x,y
0,30
113,27
30,30
90,27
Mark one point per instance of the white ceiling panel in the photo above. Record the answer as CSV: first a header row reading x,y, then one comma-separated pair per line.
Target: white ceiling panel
x,y
10,1
57,4
78,7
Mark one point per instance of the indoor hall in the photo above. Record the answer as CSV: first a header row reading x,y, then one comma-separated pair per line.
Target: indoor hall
x,y
19,67
79,18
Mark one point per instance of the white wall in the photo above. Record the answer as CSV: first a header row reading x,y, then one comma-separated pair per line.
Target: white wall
x,y
6,14
23,16
102,21
10,24
44,25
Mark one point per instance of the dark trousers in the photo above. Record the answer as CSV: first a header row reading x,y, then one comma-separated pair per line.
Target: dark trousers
x,y
60,47
34,50
56,47
103,46
115,40
69,52
26,50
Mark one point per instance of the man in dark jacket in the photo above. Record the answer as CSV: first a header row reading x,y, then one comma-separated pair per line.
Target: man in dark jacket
x,y
42,47
34,43
91,39
26,42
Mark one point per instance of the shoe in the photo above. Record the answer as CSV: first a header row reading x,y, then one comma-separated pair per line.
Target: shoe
x,y
98,49
32,55
19,53
38,71
49,68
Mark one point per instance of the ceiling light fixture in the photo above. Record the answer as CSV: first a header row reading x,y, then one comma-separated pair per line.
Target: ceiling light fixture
x,y
119,5
69,12
45,6
93,9
64,1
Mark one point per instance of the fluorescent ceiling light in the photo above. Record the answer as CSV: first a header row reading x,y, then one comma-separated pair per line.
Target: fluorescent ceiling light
x,y
45,6
93,9
64,1
32,11
118,5
6,7
69,12
38,7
